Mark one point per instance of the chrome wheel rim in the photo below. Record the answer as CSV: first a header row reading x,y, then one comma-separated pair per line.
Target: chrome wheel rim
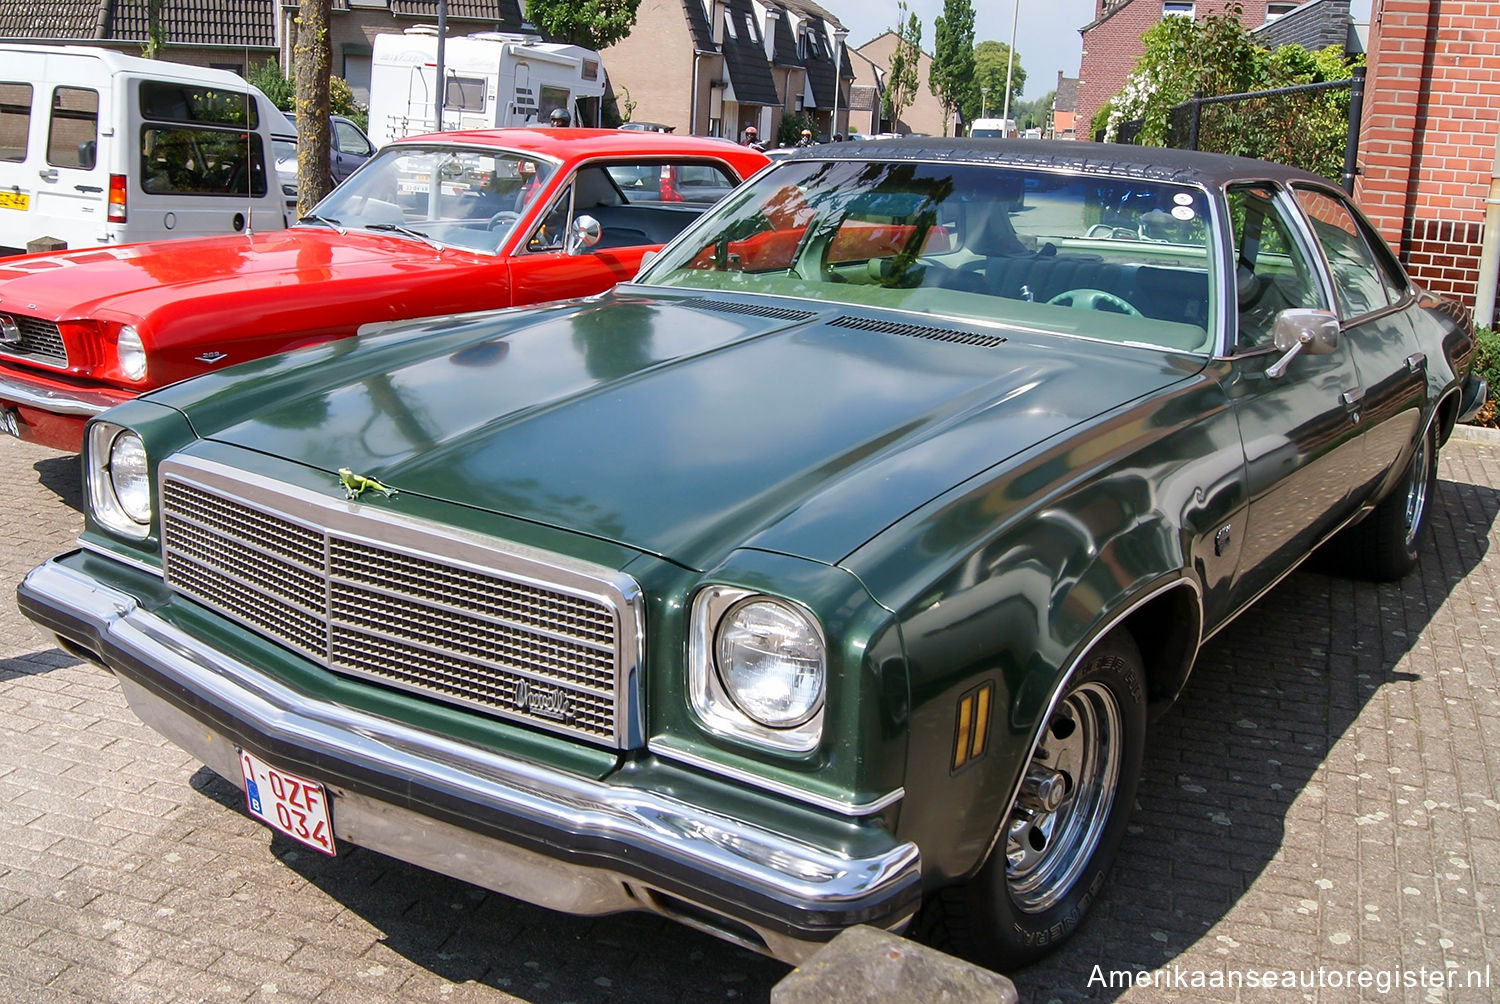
x,y
1049,840
1416,492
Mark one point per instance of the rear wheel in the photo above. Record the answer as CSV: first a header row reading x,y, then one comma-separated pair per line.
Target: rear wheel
x,y
1066,825
1385,544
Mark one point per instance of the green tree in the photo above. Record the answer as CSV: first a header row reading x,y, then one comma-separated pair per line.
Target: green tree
x,y
990,59
156,35
952,74
313,61
902,81
274,84
593,24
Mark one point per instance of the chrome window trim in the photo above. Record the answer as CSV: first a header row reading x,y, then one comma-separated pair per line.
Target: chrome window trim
x,y
423,539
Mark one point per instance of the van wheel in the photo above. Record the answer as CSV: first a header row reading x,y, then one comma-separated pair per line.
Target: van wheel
x,y
1056,846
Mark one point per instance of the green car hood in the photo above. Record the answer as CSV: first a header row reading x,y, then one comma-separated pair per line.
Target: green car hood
x,y
679,427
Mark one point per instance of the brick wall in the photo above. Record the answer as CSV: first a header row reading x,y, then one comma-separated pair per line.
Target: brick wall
x,y
1112,45
1431,113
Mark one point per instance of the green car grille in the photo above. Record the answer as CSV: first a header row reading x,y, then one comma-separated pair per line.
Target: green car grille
x,y
457,631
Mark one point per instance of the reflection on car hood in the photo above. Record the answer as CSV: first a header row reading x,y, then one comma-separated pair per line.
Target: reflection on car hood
x,y
671,425
138,278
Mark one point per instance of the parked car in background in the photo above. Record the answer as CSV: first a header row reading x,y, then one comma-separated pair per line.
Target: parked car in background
x,y
646,127
348,148
828,571
99,148
433,225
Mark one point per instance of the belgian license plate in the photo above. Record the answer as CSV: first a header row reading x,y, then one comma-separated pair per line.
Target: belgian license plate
x,y
287,803
14,200
10,423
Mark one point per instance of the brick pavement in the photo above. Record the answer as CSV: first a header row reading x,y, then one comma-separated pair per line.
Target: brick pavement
x,y
1326,793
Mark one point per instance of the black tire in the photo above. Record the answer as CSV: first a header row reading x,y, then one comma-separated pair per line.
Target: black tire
x,y
1384,545
1048,867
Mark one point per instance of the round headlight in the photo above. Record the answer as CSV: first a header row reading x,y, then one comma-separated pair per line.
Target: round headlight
x,y
770,658
132,353
127,476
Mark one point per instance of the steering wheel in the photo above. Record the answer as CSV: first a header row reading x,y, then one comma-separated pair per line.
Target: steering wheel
x,y
1094,299
504,217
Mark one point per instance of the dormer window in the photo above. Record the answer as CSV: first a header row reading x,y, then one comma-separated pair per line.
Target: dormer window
x,y
1177,8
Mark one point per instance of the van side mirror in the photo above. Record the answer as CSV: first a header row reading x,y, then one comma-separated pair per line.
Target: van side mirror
x,y
88,154
1297,330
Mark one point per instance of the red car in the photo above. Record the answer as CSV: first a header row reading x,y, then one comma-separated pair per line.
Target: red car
x,y
432,225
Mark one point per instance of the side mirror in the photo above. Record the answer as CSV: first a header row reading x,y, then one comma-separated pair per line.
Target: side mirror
x,y
1298,330
584,235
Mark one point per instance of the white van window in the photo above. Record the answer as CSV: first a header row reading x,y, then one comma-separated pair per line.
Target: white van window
x,y
165,101
15,120
176,160
73,135
194,141
555,97
464,93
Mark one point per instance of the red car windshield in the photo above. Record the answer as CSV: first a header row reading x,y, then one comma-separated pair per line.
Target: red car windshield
x,y
456,196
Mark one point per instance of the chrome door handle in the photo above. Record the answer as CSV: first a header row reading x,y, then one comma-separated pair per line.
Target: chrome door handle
x,y
1416,361
1351,398
47,174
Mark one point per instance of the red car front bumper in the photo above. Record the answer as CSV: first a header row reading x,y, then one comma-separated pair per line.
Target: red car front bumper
x,y
50,410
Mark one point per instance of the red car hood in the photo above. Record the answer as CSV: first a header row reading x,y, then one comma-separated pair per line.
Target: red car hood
x,y
138,279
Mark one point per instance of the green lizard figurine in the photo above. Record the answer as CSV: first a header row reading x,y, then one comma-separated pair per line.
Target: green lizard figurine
x,y
355,485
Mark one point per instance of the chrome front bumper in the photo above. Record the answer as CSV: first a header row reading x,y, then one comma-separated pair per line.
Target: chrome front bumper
x,y
82,403
528,831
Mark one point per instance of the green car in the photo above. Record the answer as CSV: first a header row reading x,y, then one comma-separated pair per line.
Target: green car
x,y
828,573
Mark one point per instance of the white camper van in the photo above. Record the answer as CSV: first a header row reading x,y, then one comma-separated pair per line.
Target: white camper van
x,y
490,79
99,148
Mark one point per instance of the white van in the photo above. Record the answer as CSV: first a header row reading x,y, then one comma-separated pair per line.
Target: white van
x,y
99,148
992,128
490,79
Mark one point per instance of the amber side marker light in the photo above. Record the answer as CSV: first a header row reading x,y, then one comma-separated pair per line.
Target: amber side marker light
x,y
973,725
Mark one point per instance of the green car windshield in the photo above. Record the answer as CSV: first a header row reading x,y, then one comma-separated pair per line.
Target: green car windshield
x,y
1099,257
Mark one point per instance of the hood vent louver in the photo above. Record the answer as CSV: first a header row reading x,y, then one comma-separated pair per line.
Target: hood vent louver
x,y
918,331
759,310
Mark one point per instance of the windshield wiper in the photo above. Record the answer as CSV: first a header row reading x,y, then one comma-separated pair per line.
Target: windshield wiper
x,y
315,218
397,228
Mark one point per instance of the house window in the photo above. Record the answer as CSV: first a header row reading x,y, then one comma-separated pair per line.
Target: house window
x,y
1281,9
1181,8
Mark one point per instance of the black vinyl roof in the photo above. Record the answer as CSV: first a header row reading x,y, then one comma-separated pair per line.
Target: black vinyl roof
x,y
1114,159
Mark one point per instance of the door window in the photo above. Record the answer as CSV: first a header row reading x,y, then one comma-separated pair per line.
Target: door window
x,y
15,120
1272,273
73,134
1363,280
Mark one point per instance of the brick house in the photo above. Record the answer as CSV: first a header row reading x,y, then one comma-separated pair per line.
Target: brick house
x,y
924,115
1063,121
198,32
714,67
1428,136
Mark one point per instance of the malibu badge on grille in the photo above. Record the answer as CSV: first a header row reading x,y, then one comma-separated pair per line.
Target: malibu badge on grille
x,y
545,702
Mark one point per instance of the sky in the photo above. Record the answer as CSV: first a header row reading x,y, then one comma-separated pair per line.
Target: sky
x,y
1047,38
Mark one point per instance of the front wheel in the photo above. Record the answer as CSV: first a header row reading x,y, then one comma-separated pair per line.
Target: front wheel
x,y
1069,816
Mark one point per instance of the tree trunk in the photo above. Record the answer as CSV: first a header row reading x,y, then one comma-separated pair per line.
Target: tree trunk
x,y
312,56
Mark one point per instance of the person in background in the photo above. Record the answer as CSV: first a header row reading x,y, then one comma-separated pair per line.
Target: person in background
x,y
806,139
559,118
752,138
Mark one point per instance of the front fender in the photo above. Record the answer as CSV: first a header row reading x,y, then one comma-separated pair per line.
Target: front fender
x,y
1102,532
